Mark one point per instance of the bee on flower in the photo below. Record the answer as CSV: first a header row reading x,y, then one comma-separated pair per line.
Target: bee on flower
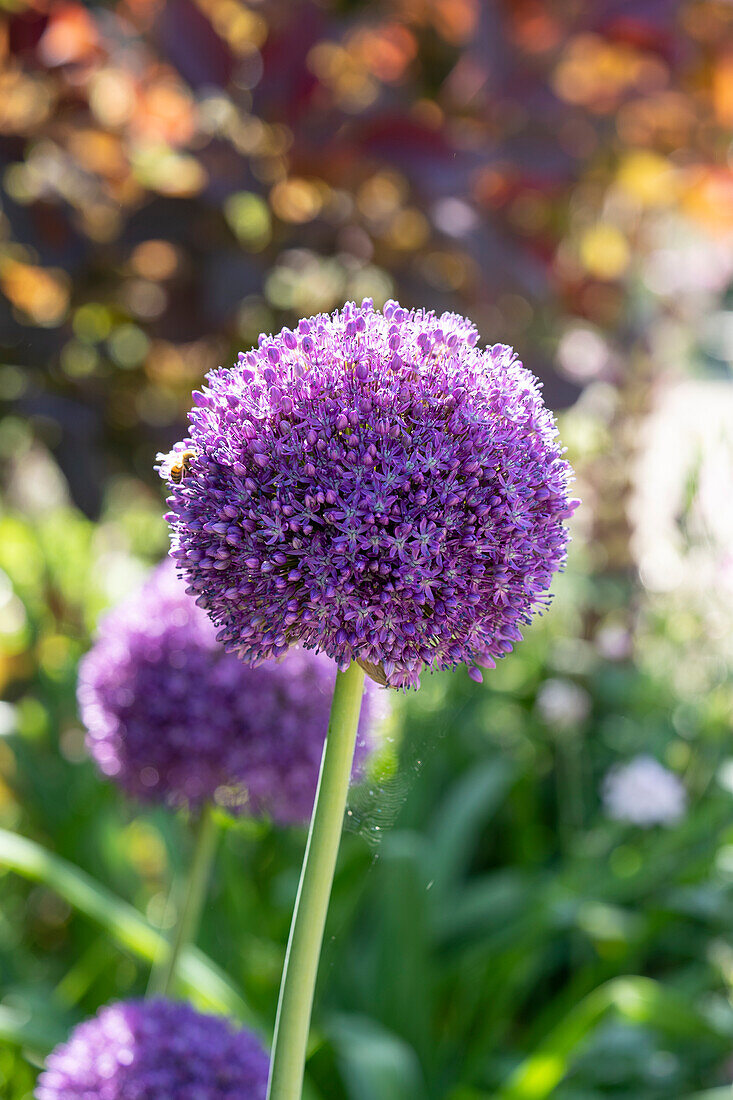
x,y
175,465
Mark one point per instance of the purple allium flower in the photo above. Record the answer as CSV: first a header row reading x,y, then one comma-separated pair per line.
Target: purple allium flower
x,y
151,1050
172,717
374,486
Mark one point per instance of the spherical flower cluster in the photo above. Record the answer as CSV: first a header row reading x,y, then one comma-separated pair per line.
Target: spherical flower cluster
x,y
172,717
645,793
151,1050
374,486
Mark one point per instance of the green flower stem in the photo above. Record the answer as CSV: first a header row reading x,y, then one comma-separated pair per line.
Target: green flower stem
x,y
163,974
311,904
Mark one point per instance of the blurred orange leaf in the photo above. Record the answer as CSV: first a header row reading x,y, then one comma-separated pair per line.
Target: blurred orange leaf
x,y
41,293
71,35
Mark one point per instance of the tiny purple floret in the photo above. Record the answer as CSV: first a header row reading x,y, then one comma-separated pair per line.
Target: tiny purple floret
x,y
381,490
151,1050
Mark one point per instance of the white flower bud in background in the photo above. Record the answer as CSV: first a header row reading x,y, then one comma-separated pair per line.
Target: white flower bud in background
x,y
644,793
562,703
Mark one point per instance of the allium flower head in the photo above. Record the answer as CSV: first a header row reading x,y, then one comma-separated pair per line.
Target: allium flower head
x,y
374,486
155,1050
645,793
172,717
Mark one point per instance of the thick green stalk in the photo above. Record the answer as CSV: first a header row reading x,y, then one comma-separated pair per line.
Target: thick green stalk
x,y
311,904
163,974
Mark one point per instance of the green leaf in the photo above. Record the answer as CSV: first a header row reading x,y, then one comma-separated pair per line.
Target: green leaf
x,y
20,1028
401,986
201,977
375,1063
724,1093
464,811
496,900
638,1000
87,968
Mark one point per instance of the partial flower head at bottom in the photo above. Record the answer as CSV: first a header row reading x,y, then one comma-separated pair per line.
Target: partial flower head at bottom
x,y
151,1050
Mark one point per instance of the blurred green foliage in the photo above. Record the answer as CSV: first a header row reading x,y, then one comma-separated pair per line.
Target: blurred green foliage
x,y
491,933
177,176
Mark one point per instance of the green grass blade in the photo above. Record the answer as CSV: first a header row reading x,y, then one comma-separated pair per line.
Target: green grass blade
x,y
89,966
200,976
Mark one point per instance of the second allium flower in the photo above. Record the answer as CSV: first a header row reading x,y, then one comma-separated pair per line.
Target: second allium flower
x,y
171,717
374,486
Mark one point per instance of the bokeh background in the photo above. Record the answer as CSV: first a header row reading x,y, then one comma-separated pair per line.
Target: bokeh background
x,y
177,176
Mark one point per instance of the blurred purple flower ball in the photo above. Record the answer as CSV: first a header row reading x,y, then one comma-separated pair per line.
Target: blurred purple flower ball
x,y
148,1050
376,487
172,717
